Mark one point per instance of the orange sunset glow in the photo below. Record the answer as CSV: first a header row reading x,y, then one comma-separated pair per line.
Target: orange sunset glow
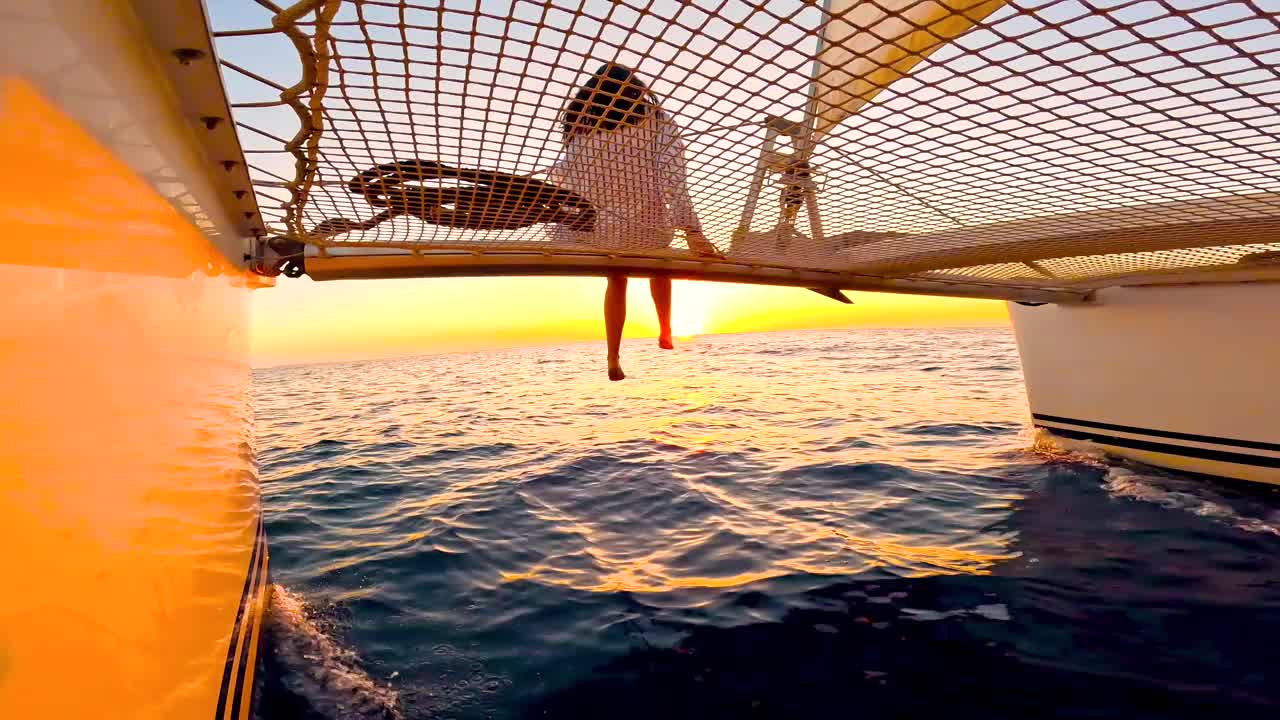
x,y
301,321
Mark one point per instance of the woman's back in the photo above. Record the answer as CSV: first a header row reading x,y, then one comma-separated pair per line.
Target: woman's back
x,y
634,176
624,154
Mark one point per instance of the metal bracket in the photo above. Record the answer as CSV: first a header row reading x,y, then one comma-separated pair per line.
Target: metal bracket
x,y
270,257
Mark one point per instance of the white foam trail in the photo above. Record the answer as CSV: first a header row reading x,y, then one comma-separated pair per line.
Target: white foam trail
x,y
319,670
1125,483
990,611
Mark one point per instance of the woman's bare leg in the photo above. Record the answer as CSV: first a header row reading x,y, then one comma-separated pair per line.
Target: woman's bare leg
x,y
660,289
615,316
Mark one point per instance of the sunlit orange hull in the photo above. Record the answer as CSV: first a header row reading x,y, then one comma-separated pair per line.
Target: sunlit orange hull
x,y
127,480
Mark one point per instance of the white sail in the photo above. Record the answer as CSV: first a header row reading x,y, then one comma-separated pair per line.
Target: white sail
x,y
867,46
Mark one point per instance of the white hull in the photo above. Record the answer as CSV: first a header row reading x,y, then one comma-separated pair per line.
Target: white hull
x,y
1178,376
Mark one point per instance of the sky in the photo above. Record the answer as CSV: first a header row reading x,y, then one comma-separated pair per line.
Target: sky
x,y
303,321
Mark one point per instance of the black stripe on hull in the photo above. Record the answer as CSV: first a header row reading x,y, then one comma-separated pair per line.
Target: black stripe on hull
x,y
246,596
249,636
1152,446
1231,442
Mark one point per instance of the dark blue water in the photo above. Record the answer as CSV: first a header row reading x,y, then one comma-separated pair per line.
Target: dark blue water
x,y
836,524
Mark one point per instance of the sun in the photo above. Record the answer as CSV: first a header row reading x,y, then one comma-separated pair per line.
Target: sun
x,y
688,322
691,309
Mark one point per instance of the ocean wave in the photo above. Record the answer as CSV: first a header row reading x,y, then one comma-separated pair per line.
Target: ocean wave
x,y
954,429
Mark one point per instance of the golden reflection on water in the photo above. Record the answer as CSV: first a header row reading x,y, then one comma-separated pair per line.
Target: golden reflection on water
x,y
641,577
829,550
629,574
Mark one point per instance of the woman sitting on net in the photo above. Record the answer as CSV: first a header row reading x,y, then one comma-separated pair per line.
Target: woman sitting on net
x,y
623,153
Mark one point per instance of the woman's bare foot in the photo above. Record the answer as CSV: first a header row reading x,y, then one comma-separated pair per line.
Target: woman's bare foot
x,y
615,371
664,342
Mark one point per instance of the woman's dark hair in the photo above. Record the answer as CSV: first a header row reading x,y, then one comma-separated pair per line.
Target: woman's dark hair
x,y
613,96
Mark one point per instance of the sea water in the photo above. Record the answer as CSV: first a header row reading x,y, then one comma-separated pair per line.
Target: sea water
x,y
852,523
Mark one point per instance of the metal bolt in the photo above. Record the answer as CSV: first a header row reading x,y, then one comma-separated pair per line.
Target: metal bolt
x,y
210,122
186,55
248,215
229,164
239,194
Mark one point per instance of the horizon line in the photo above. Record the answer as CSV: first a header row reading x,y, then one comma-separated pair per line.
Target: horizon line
x,y
565,343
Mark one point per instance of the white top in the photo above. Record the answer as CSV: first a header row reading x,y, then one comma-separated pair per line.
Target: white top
x,y
635,178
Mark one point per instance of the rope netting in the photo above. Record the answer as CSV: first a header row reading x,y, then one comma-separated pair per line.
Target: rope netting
x,y
1025,142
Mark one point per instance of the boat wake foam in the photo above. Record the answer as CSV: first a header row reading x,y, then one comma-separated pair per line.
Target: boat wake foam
x,y
1053,448
1137,482
309,675
1125,483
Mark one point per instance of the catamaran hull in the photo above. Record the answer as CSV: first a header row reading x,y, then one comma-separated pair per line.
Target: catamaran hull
x,y
1177,376
128,489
